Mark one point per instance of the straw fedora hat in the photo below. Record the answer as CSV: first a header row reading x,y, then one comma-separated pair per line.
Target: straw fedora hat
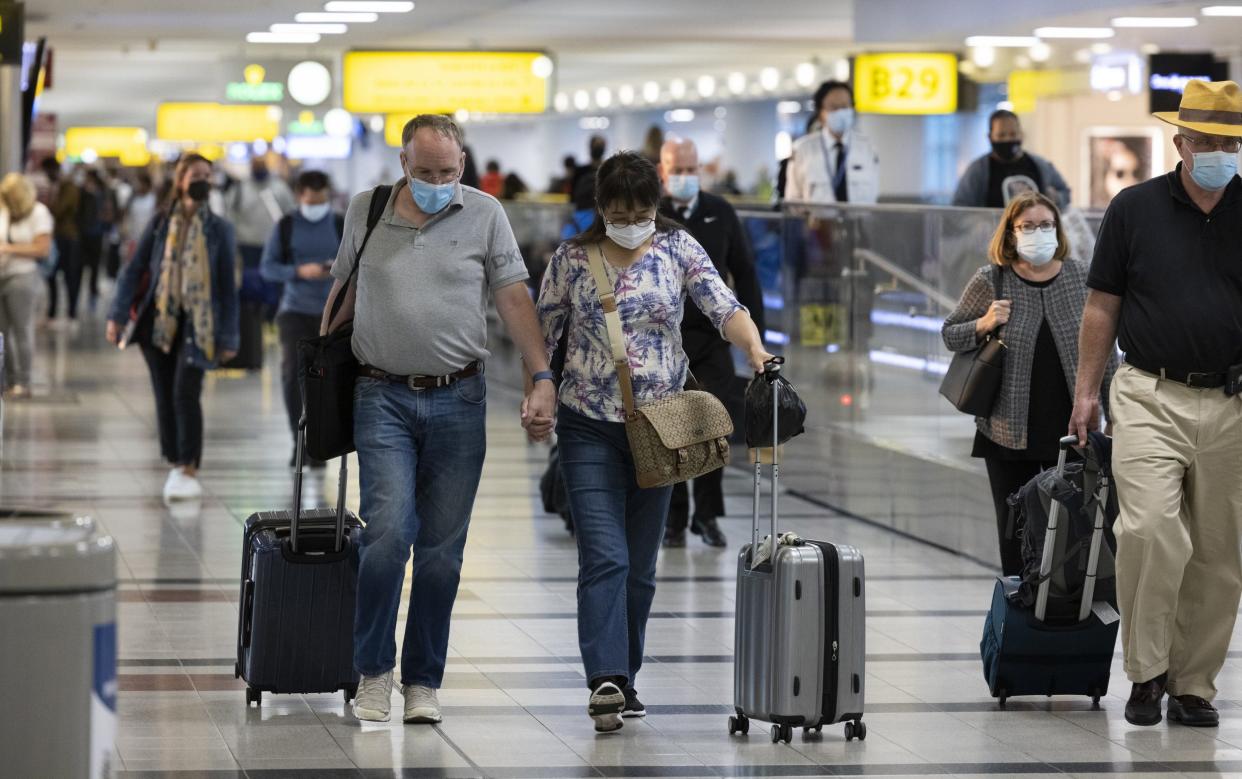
x,y
1209,107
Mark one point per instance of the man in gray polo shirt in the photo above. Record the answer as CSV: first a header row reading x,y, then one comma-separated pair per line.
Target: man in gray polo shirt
x,y
420,332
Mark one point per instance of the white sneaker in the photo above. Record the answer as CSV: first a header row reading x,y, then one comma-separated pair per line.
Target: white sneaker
x,y
374,698
421,705
605,707
181,486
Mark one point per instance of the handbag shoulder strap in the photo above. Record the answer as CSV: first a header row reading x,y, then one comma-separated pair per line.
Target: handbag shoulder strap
x,y
998,289
379,201
614,331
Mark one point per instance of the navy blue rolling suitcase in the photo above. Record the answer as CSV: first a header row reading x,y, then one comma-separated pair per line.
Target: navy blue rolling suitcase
x,y
1024,653
299,582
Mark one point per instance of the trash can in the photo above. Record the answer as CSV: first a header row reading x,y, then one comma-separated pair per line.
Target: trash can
x,y
57,649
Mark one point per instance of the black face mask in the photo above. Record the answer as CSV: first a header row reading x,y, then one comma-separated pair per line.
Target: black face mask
x,y
1007,150
198,190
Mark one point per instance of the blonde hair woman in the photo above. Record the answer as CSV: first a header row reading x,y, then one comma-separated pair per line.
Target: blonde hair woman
x,y
25,238
1037,315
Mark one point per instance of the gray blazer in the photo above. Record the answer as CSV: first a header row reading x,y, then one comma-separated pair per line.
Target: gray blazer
x,y
1061,302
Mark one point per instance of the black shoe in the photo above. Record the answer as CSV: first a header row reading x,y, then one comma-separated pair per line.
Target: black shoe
x,y
1190,710
633,706
712,535
605,707
1143,708
674,539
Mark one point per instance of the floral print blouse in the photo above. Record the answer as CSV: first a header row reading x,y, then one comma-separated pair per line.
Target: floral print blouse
x,y
651,295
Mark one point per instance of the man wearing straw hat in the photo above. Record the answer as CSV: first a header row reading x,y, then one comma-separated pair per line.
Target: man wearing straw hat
x,y
1166,280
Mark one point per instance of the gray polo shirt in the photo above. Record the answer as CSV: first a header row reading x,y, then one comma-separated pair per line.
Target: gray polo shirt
x,y
422,293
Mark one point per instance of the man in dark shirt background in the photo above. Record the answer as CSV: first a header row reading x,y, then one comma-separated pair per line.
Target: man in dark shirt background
x,y
992,180
714,224
1167,280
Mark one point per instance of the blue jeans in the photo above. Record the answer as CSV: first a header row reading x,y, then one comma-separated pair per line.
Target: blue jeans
x,y
420,455
618,527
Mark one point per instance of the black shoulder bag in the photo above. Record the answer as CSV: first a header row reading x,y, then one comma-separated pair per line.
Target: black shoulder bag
x,y
327,368
974,376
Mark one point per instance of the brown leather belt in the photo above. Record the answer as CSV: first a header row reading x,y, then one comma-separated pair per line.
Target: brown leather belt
x,y
423,382
1192,379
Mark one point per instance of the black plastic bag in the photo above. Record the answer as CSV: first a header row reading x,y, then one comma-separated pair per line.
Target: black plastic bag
x,y
790,413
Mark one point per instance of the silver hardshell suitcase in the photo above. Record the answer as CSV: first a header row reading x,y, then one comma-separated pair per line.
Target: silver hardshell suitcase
x,y
799,638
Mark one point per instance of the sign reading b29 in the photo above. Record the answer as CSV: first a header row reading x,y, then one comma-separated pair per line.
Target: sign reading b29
x,y
915,83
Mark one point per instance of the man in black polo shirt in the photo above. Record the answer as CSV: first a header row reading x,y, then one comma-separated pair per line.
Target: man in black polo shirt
x,y
1167,281
714,224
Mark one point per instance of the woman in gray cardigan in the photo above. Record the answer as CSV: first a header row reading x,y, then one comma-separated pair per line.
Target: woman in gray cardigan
x,y
1037,315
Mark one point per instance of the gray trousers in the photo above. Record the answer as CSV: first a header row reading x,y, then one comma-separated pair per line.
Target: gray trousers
x,y
18,294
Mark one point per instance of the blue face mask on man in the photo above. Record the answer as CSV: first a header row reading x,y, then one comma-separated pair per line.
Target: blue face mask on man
x,y
683,187
1214,170
430,198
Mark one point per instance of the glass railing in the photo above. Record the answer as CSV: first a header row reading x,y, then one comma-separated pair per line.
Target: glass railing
x,y
855,297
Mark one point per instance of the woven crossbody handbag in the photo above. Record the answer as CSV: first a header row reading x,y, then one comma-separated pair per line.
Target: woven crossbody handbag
x,y
673,439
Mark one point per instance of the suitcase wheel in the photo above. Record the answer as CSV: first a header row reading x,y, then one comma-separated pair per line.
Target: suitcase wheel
x,y
350,692
817,729
254,696
1002,695
739,724
855,730
782,733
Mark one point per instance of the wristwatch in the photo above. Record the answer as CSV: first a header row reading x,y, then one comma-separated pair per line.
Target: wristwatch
x,y
543,376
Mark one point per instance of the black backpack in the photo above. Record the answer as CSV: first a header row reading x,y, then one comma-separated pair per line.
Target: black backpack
x,y
286,236
1078,492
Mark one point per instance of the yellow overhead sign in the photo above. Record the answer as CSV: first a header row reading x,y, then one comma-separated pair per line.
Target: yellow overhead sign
x,y
216,123
1027,86
914,83
414,82
128,144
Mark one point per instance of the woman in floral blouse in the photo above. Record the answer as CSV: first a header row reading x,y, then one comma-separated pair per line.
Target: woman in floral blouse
x,y
653,264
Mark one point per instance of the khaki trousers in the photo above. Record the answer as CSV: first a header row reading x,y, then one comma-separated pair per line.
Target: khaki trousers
x,y
1177,466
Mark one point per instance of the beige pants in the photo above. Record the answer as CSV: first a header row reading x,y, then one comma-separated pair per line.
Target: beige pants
x,y
1177,466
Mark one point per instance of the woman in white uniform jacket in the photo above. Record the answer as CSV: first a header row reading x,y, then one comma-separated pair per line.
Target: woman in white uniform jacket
x,y
812,171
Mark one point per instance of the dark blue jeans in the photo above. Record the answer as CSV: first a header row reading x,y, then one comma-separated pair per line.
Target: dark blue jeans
x,y
420,455
618,527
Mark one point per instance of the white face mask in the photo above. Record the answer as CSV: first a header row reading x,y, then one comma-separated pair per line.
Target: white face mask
x,y
314,213
630,236
1038,247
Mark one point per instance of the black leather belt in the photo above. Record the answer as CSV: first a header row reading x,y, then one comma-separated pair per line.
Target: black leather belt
x,y
1192,379
423,382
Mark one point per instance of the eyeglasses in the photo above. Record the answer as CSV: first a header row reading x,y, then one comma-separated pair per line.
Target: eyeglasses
x,y
1030,227
644,223
1208,144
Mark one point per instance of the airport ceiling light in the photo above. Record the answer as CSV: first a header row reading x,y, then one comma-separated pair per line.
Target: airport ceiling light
x,y
1040,52
679,115
983,56
603,97
737,83
282,37
804,74
1155,21
318,17
561,102
338,123
770,79
626,94
1221,10
368,6
1002,41
706,85
334,28
542,67
309,83
1075,32
377,123
651,91
842,70
677,88
582,100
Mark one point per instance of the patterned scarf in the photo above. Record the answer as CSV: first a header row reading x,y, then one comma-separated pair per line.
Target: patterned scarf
x,y
185,285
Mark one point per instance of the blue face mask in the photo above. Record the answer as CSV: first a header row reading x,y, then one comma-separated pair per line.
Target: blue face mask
x,y
1214,169
431,198
841,121
683,188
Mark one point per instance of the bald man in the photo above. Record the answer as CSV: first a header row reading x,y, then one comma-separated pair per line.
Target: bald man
x,y
714,224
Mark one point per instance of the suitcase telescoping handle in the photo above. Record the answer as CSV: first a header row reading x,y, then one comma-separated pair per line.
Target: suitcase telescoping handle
x,y
771,371
342,483
1097,537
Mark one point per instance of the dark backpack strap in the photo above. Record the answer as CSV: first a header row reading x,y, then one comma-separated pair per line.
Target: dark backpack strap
x,y
339,221
379,201
286,239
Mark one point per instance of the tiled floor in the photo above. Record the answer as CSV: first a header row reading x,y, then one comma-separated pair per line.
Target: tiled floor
x,y
514,697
